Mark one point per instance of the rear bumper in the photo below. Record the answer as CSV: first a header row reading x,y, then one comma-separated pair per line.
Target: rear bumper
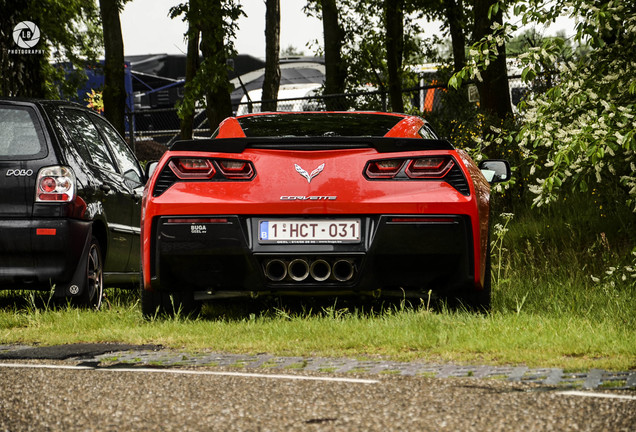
x,y
36,254
400,255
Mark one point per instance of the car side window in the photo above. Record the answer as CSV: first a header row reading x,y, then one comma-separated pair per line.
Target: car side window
x,y
85,134
121,151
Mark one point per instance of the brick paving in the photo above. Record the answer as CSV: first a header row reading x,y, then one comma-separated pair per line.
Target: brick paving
x,y
112,355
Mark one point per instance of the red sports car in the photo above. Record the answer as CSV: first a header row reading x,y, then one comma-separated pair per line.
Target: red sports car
x,y
316,203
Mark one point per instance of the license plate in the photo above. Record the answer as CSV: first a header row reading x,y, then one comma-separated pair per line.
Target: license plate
x,y
309,231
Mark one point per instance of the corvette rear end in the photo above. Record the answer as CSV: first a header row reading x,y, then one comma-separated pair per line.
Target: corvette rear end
x,y
315,204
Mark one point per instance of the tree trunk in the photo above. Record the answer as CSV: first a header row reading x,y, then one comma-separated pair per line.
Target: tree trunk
x,y
271,80
394,21
219,104
335,68
192,64
494,90
453,9
114,94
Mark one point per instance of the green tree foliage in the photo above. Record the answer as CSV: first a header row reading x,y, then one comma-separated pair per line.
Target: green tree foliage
x,y
292,51
70,32
580,133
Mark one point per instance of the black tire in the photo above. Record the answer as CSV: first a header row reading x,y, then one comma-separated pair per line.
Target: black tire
x,y
93,293
155,303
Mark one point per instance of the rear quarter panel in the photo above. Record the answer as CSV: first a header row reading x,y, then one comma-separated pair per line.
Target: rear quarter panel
x,y
482,199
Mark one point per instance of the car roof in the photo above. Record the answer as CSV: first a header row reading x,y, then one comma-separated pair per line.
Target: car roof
x,y
39,101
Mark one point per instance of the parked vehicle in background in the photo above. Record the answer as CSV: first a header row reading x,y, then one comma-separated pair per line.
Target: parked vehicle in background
x,y
70,200
320,203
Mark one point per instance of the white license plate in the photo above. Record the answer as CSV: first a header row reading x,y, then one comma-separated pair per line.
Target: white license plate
x,y
309,231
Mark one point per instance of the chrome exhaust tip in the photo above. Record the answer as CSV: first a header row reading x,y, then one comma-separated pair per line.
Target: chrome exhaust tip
x,y
343,270
298,269
275,270
320,270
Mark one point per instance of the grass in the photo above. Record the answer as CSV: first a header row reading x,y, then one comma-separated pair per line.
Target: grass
x,y
555,304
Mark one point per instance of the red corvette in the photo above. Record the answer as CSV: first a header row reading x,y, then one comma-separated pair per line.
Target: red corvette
x,y
320,203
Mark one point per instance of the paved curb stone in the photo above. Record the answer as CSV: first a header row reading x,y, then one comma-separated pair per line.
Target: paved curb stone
x,y
145,355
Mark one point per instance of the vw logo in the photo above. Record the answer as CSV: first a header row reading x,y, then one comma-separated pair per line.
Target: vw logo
x,y
26,34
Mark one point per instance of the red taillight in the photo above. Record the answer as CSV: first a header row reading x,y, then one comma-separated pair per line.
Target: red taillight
x,y
196,220
191,168
429,167
205,169
421,220
384,169
236,169
55,184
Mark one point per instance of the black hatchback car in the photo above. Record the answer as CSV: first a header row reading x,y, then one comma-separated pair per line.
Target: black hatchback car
x,y
70,200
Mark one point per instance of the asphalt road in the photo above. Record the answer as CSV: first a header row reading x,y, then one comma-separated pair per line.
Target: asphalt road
x,y
67,397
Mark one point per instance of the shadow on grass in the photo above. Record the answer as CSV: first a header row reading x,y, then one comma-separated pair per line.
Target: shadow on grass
x,y
311,307
29,300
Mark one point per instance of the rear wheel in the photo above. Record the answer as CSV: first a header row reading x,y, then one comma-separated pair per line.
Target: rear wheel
x,y
93,292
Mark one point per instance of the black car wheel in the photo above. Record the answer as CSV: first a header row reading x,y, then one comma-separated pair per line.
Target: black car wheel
x,y
93,292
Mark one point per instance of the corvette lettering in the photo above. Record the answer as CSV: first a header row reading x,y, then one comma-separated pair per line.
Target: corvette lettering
x,y
308,198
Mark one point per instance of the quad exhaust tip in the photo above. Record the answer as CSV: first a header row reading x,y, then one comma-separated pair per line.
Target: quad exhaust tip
x,y
276,270
320,270
343,270
299,269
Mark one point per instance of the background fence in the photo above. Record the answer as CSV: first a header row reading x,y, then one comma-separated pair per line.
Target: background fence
x,y
158,128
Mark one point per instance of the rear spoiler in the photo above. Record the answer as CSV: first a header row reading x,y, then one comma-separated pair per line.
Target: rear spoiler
x,y
380,144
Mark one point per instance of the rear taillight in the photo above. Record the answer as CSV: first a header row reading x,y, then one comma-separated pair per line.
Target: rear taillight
x,y
235,169
384,169
206,169
429,167
197,220
55,184
410,220
191,168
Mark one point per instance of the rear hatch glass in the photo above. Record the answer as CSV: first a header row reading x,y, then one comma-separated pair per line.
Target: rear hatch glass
x,y
22,145
318,124
20,134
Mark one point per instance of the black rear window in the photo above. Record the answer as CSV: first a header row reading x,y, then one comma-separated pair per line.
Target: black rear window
x,y
21,134
318,125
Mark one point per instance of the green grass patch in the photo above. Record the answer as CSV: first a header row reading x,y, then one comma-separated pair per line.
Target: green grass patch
x,y
556,303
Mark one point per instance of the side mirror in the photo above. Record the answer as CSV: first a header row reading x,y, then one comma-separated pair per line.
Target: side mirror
x,y
150,168
495,170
